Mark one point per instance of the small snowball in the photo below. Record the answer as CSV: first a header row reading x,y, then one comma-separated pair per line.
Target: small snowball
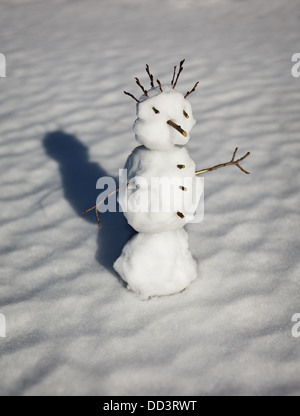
x,y
151,127
157,264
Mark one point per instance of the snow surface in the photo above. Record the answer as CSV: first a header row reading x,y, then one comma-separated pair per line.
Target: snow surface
x,y
72,328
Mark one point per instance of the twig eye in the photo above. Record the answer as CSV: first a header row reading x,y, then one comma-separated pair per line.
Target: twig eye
x,y
185,114
156,111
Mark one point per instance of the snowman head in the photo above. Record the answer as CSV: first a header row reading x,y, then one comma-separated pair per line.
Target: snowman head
x,y
165,116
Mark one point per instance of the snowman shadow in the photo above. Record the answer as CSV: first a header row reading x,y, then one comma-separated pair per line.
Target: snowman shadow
x,y
79,176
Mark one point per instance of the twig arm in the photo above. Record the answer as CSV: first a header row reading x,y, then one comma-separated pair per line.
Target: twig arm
x,y
95,207
231,162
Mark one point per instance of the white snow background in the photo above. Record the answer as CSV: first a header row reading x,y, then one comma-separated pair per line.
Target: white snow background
x,y
72,328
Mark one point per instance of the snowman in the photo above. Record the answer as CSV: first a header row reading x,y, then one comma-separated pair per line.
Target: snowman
x,y
161,193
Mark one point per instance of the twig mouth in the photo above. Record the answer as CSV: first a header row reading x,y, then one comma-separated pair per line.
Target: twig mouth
x,y
177,127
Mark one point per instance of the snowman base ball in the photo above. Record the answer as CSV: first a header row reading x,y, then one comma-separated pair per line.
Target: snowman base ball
x,y
157,264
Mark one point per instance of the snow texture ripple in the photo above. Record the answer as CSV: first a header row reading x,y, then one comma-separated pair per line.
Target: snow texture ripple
x,y
71,327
